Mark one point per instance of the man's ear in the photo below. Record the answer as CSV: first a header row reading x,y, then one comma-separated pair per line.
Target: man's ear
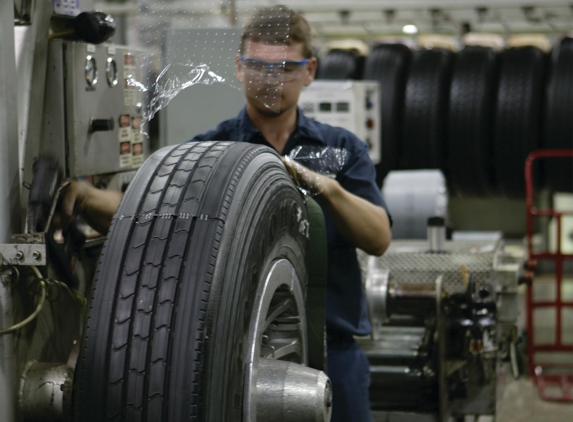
x,y
239,68
311,71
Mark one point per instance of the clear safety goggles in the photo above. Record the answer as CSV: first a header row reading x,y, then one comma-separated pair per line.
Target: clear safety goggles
x,y
286,70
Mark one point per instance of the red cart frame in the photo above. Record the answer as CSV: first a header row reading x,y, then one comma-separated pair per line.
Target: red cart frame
x,y
553,378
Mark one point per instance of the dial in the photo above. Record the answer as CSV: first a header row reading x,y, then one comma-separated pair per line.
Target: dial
x,y
111,71
91,71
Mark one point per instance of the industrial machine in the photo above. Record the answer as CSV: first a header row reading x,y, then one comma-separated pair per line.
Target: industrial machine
x,y
206,301
352,105
166,315
444,317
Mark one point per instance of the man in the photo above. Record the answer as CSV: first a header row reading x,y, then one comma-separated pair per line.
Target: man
x,y
273,74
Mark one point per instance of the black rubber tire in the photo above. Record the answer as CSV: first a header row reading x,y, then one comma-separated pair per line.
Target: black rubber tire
x,y
341,65
388,64
469,166
316,264
425,110
517,115
166,331
558,124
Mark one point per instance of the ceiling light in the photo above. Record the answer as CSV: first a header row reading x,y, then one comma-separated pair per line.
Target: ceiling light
x,y
410,29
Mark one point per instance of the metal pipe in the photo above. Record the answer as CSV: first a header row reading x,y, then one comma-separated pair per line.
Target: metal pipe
x,y
288,392
9,198
436,234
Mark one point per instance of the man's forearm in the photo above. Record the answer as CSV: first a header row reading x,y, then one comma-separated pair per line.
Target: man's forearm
x,y
99,208
361,222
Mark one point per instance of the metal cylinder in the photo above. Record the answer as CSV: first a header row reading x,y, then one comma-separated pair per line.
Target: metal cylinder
x,y
45,392
288,392
436,234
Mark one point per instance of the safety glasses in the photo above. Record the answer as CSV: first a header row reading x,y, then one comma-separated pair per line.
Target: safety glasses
x,y
288,70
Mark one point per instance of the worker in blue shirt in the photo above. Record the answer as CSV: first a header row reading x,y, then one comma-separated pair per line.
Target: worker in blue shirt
x,y
273,72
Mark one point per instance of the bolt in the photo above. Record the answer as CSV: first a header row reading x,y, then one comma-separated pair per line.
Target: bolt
x,y
19,255
37,255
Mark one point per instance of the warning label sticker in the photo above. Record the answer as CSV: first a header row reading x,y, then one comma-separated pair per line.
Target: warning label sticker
x,y
137,138
125,137
129,89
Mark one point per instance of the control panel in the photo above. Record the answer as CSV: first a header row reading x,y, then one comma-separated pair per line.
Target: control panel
x,y
93,103
352,105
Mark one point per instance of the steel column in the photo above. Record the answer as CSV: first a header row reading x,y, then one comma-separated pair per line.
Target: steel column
x,y
9,198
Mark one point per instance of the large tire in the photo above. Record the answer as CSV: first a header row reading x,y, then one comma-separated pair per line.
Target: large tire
x,y
425,110
517,115
469,169
558,125
341,65
168,326
388,64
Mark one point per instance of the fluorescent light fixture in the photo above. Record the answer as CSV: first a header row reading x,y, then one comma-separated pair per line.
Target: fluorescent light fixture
x,y
410,29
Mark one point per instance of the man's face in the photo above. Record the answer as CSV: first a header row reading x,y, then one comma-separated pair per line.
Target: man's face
x,y
274,92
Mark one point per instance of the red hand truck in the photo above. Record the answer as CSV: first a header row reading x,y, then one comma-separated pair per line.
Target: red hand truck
x,y
558,375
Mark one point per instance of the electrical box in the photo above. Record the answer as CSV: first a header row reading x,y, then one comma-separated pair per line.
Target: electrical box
x,y
352,105
93,108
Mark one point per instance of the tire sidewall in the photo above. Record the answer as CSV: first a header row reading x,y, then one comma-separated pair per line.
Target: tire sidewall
x,y
278,215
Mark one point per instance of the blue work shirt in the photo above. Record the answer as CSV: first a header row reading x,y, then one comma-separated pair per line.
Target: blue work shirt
x,y
346,309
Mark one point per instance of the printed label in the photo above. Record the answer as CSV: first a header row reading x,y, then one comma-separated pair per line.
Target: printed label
x,y
67,7
125,137
125,154
129,90
137,139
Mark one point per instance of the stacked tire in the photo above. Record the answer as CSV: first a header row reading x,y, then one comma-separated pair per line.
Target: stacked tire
x,y
476,114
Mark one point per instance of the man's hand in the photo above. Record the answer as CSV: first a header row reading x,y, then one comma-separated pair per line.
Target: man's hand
x,y
95,206
309,181
359,221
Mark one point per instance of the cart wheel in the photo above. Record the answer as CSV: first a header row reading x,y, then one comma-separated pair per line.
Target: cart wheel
x,y
389,65
201,283
427,92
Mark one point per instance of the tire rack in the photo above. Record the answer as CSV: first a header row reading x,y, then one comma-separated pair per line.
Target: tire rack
x,y
562,380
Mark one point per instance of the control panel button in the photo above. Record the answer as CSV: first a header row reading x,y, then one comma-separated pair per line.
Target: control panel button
x,y
101,125
111,71
91,70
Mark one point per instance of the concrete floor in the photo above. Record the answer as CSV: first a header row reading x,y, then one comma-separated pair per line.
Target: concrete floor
x,y
521,403
521,400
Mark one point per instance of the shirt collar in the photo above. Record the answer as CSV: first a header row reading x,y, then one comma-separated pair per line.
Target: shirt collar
x,y
305,127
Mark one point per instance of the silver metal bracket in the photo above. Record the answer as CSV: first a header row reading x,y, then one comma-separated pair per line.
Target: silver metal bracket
x,y
28,249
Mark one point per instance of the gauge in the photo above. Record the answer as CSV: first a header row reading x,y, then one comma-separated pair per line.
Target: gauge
x,y
91,71
111,71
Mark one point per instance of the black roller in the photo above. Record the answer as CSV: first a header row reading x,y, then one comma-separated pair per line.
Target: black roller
x,y
469,168
341,65
517,115
558,127
425,109
388,64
